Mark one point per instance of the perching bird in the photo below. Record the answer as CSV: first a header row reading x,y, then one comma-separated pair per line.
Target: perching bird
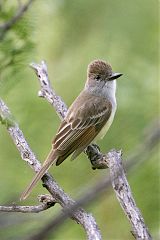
x,y
89,117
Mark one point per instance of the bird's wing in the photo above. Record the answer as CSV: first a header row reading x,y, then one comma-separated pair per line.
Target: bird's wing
x,y
81,125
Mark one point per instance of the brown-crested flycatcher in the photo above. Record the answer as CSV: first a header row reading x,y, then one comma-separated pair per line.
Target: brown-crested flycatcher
x,y
89,116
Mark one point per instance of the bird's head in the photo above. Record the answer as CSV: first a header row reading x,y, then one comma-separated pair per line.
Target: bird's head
x,y
99,70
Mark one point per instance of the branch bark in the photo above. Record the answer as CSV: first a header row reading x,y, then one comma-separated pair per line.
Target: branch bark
x,y
47,91
125,197
46,202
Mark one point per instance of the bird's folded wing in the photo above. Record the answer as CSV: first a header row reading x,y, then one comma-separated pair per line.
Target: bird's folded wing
x,y
81,126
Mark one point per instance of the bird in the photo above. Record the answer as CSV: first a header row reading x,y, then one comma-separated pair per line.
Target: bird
x,y
87,119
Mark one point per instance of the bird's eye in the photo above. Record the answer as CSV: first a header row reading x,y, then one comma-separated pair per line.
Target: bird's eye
x,y
97,77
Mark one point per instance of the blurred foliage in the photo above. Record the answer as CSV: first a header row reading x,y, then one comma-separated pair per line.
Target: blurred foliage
x,y
68,35
15,44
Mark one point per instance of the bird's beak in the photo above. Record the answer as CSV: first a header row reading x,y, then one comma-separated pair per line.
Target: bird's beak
x,y
114,76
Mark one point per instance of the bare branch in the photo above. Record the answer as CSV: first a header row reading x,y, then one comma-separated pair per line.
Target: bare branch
x,y
46,89
47,202
20,12
18,137
125,197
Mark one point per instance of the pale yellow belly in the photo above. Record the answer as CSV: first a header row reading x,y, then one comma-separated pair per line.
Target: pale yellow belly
x,y
106,127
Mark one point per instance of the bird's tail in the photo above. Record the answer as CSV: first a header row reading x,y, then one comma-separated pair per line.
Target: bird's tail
x,y
51,158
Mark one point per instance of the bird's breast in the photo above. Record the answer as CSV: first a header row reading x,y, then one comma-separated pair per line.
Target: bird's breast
x,y
106,127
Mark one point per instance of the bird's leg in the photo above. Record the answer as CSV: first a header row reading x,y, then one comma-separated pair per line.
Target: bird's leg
x,y
97,159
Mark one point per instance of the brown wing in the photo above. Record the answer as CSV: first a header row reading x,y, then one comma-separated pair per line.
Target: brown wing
x,y
81,125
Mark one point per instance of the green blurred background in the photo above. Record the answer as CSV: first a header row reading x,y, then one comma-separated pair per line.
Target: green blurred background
x,y
68,35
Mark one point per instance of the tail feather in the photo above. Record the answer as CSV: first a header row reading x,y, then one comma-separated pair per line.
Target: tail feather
x,y
51,158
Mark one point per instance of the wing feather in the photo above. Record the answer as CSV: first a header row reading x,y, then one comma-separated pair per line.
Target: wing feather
x,y
81,125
